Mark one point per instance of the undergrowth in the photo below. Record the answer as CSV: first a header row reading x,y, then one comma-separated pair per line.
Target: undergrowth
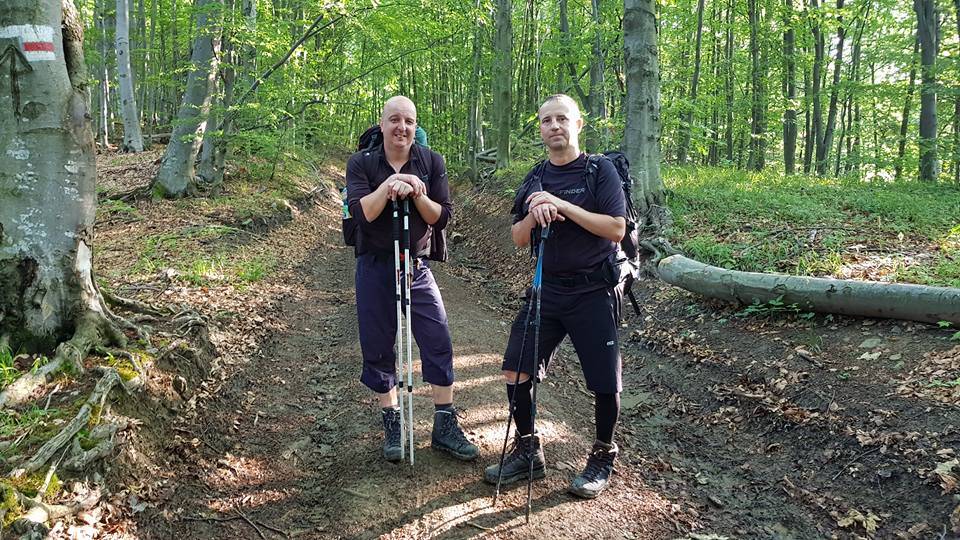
x,y
768,222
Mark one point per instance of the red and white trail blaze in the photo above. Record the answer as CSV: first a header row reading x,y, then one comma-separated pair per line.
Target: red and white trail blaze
x,y
36,42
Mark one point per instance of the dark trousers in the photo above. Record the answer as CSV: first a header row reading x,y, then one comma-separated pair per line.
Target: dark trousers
x,y
589,318
377,321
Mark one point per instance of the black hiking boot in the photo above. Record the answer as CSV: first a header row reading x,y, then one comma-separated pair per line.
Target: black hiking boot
x,y
596,476
516,464
391,434
448,437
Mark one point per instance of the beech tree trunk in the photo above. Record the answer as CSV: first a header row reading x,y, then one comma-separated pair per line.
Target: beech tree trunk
x,y
905,118
757,98
47,168
686,119
790,92
927,32
845,297
641,135
177,175
132,138
826,142
502,75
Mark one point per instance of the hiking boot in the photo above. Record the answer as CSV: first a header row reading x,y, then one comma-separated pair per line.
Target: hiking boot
x,y
516,464
596,476
391,434
448,437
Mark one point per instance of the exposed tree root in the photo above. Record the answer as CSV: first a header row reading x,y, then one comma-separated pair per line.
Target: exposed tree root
x,y
59,511
94,403
133,305
92,329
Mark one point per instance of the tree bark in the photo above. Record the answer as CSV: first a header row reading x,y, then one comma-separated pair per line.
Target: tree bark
x,y
956,114
502,76
846,297
47,293
641,136
728,84
905,118
599,134
927,31
790,92
132,138
817,79
758,97
823,150
177,176
686,119
473,105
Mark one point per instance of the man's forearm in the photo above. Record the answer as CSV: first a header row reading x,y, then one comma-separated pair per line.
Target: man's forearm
x,y
429,210
602,225
374,203
521,231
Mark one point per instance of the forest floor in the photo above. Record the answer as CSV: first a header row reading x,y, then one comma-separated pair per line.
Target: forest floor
x,y
770,424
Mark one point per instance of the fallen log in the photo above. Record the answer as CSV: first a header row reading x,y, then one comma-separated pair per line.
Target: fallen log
x,y
823,295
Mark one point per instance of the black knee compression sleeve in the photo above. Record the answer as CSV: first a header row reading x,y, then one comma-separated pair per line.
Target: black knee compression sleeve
x,y
521,395
606,412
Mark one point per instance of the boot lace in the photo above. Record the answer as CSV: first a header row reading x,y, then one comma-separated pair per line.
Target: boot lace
x,y
450,428
598,464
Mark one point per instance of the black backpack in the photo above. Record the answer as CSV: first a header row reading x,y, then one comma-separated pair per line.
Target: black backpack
x,y
629,253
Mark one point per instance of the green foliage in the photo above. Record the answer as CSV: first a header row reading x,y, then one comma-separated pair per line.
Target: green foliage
x,y
117,208
10,506
769,222
30,485
773,307
8,372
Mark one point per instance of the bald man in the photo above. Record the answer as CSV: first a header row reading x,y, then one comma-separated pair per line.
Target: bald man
x,y
578,296
396,170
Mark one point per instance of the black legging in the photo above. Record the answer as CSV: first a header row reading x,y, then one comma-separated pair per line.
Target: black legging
x,y
606,411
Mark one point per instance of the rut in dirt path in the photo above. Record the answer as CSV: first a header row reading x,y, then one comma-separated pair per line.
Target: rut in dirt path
x,y
292,441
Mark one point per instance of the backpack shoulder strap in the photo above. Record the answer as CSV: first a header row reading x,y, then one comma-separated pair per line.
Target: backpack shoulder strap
x,y
533,179
592,172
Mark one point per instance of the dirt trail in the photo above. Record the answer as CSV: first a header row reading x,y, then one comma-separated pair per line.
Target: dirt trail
x,y
777,427
293,439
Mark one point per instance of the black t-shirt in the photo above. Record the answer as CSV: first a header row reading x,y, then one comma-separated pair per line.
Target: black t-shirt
x,y
571,249
367,170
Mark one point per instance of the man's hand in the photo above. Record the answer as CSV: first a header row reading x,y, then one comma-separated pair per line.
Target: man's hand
x,y
546,208
418,188
396,188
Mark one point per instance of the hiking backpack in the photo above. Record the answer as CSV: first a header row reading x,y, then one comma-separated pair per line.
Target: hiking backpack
x,y
628,256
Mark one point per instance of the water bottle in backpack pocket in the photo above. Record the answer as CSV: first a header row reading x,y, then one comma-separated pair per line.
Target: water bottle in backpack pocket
x,y
348,224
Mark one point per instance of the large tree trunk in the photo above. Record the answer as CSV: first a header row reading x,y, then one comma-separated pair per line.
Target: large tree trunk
x,y
47,294
817,82
790,92
641,135
599,134
823,149
927,31
686,119
846,297
502,76
132,139
177,177
905,119
728,84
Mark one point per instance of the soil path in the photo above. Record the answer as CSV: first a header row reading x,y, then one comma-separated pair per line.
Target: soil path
x,y
777,427
293,440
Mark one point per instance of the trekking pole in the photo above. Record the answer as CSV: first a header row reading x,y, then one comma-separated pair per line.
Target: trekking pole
x,y
534,289
399,342
407,285
535,293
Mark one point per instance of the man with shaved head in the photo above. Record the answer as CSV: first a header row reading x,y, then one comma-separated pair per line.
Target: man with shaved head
x,y
578,296
395,170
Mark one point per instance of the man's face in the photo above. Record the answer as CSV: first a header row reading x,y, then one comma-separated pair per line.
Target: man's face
x,y
560,124
398,123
